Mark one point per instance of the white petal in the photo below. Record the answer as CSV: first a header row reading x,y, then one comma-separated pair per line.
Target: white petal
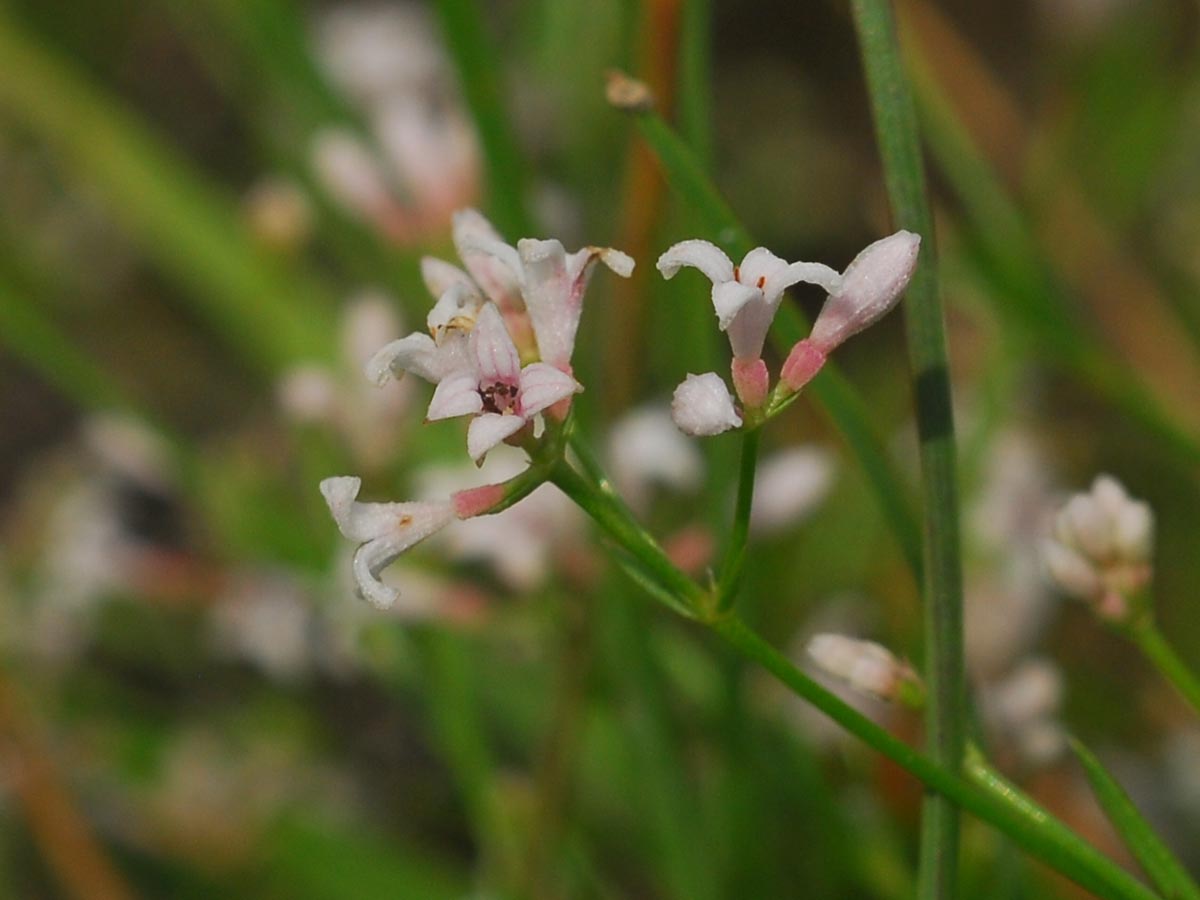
x,y
457,395
416,353
492,348
1089,527
491,262
871,285
708,258
810,273
554,310
702,406
729,298
416,522
439,276
748,330
864,665
1071,571
760,264
368,521
542,386
488,430
1134,531
455,310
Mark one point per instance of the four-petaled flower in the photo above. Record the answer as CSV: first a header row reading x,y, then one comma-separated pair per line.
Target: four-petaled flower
x,y
494,388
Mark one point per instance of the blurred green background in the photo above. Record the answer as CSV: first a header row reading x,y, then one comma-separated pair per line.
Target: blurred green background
x,y
211,212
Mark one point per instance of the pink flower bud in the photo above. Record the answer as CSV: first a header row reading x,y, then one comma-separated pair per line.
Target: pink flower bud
x,y
802,365
870,286
751,381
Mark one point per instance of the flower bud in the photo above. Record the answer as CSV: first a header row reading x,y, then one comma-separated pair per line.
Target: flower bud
x,y
870,286
702,406
867,667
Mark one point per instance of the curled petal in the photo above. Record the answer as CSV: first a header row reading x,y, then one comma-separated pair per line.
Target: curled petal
x,y
729,298
368,521
810,273
488,430
495,356
491,262
416,353
707,257
542,385
702,406
418,522
439,276
457,395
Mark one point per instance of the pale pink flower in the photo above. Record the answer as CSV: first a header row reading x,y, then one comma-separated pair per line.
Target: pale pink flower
x,y
703,407
501,395
865,666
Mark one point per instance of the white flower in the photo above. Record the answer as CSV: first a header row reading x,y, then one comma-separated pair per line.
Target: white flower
x,y
702,406
745,297
383,530
500,394
864,665
1022,711
1101,546
645,449
788,486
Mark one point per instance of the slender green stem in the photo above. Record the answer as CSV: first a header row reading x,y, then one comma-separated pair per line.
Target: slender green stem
x,y
480,75
1150,640
992,799
695,89
900,148
735,553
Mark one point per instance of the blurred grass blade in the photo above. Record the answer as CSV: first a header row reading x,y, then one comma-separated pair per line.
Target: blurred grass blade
x,y
187,226
1156,860
1029,295
695,78
481,77
834,393
895,118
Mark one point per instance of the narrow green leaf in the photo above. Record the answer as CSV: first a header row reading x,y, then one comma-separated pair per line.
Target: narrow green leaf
x,y
1156,860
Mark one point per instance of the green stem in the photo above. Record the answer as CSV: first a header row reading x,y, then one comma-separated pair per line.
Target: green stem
x,y
996,802
695,66
1152,643
480,75
735,554
900,149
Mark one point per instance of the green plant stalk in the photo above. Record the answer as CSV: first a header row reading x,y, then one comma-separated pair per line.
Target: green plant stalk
x,y
842,403
481,76
273,314
904,173
986,795
695,88
1153,856
735,553
1151,642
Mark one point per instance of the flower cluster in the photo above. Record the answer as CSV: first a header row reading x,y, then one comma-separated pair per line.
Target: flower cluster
x,y
746,298
1101,547
511,305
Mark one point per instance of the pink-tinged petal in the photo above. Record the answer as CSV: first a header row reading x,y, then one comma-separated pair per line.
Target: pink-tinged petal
x,y
802,365
870,287
457,395
708,258
477,501
494,353
414,523
729,298
554,310
455,310
810,273
416,353
751,380
702,406
488,430
439,276
542,385
758,266
491,262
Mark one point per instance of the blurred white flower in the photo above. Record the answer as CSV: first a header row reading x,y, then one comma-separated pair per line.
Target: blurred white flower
x,y
788,486
867,667
646,450
1021,712
265,618
702,406
1101,547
